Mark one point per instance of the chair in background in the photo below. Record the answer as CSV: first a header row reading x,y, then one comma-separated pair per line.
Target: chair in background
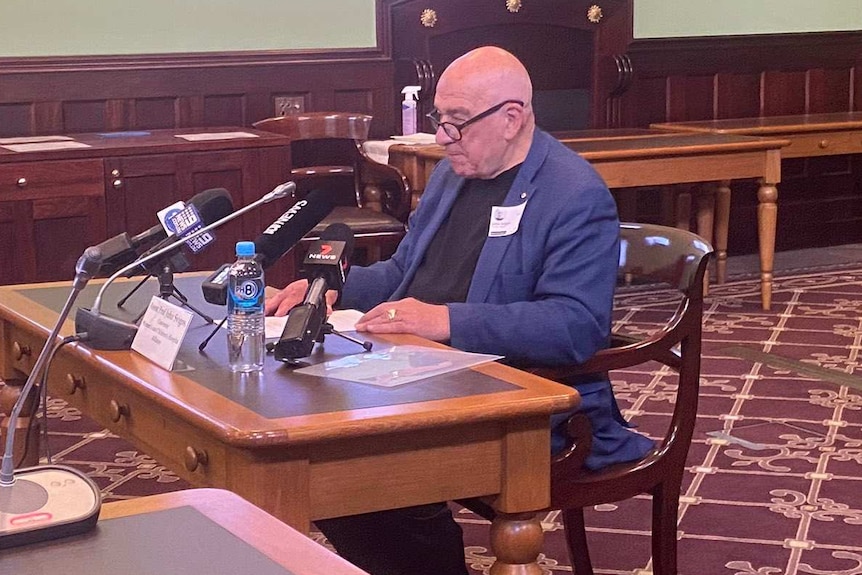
x,y
326,153
651,254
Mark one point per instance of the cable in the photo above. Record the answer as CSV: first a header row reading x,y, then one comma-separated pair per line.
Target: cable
x,y
43,402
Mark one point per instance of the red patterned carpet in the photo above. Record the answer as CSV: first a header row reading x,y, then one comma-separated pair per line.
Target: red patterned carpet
x,y
775,470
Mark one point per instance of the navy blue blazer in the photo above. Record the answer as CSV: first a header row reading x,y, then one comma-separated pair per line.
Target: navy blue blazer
x,y
540,296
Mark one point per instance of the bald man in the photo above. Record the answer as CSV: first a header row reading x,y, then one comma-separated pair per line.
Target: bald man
x,y
513,250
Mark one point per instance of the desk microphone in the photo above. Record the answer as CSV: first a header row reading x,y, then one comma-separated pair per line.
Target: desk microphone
x,y
328,263
108,333
47,502
276,240
123,248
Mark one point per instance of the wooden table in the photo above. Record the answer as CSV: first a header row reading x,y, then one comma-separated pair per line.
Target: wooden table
x,y
55,200
267,540
301,447
809,135
642,158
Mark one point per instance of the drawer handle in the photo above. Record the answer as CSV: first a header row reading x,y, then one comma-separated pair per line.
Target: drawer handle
x,y
19,351
22,182
823,144
74,383
115,173
195,458
118,183
118,410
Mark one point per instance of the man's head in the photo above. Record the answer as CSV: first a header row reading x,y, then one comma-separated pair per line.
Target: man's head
x,y
485,98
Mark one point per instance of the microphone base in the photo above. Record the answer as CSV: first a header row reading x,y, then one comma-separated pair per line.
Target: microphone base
x,y
46,503
104,332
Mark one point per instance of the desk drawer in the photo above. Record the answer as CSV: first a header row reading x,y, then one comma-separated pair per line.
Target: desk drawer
x,y
53,179
185,450
823,144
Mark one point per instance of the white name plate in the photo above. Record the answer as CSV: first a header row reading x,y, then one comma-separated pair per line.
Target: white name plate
x,y
161,332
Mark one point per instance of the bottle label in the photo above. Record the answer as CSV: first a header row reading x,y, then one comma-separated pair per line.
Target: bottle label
x,y
247,295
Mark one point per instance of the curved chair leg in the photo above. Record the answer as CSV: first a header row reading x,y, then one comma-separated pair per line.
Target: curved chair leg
x,y
576,537
665,505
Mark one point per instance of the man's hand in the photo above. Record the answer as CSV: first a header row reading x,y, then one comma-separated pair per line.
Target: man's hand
x,y
408,316
292,294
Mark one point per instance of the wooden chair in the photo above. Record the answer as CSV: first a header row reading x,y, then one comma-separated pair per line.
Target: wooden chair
x,y
653,254
326,153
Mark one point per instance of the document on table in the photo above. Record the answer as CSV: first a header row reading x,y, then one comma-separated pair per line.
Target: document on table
x,y
397,365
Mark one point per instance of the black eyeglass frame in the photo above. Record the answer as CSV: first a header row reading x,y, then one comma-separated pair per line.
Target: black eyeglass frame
x,y
434,116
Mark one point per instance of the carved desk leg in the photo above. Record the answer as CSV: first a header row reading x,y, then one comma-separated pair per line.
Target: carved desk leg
x,y
516,540
24,443
722,229
767,218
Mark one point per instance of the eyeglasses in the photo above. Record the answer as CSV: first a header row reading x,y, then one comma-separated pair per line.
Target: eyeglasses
x,y
454,131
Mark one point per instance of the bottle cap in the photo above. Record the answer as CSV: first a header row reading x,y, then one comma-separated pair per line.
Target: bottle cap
x,y
245,248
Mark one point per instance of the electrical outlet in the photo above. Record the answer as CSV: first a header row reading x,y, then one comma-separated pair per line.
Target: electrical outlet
x,y
289,105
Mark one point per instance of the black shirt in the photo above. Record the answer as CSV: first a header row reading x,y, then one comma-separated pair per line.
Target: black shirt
x,y
446,271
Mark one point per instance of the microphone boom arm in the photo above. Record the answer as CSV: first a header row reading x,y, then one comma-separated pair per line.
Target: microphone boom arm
x,y
280,191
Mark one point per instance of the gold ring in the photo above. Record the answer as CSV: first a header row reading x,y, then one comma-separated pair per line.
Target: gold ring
x,y
390,313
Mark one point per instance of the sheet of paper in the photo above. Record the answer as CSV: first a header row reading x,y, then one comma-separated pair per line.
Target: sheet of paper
x,y
397,365
341,320
46,146
33,139
205,137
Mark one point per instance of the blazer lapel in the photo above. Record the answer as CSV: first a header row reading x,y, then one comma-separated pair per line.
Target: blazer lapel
x,y
495,248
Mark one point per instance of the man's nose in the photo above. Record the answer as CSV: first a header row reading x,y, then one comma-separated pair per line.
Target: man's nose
x,y
441,137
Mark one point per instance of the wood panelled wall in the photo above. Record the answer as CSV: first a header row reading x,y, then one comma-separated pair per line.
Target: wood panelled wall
x,y
649,81
39,96
820,199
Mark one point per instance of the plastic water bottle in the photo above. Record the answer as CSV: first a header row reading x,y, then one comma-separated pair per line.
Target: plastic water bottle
x,y
245,322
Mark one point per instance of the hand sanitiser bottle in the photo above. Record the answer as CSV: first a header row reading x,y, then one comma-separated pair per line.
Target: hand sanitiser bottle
x,y
408,110
245,321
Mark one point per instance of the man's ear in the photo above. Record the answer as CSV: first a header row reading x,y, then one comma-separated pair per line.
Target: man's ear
x,y
515,117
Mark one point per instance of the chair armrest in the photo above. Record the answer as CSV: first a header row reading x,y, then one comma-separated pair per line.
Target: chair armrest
x,y
394,184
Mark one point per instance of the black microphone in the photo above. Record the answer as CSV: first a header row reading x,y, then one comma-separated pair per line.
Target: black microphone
x,y
122,249
46,502
211,205
276,240
327,263
106,333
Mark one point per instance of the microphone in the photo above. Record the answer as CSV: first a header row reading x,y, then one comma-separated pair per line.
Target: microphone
x,y
107,333
122,249
328,263
210,205
47,502
276,240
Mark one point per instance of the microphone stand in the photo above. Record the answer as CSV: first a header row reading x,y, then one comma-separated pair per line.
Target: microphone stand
x,y
68,501
168,290
108,333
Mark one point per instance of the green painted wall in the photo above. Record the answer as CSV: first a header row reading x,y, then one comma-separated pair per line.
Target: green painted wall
x,y
674,18
99,27
89,27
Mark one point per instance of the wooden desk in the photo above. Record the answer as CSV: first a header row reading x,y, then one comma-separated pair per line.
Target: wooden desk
x,y
809,135
300,447
649,159
55,202
266,539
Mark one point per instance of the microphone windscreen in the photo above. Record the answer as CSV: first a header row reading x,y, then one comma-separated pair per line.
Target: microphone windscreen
x,y
213,205
292,225
340,232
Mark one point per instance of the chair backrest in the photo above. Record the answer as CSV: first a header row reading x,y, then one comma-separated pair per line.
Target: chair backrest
x,y
326,148
322,138
652,255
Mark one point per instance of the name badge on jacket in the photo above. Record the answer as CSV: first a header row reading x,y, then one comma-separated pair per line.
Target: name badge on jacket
x,y
505,220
